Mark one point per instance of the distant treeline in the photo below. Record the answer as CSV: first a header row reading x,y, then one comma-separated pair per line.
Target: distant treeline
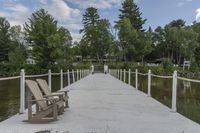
x,y
51,46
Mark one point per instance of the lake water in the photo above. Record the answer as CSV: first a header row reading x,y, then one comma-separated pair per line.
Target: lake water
x,y
188,94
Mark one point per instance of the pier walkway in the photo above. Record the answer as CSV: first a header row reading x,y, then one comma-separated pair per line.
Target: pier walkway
x,y
100,103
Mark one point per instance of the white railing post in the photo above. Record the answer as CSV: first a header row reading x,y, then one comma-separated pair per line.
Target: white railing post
x,y
136,79
68,75
149,83
121,74
129,77
83,72
22,92
124,75
77,75
92,69
118,73
61,79
80,74
73,76
49,79
174,91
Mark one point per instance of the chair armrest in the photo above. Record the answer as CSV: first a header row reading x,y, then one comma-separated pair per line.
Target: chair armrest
x,y
56,94
44,99
63,91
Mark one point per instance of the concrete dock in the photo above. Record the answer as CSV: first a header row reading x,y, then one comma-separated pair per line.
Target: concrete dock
x,y
100,103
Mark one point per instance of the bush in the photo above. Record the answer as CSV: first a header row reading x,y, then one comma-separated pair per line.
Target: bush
x,y
167,66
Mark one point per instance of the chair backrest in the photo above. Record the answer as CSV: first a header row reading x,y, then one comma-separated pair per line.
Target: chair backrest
x,y
44,86
35,90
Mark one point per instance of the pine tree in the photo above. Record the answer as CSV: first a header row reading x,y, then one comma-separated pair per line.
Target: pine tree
x,y
4,39
131,11
46,38
96,35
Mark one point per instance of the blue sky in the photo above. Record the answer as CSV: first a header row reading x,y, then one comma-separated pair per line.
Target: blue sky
x,y
69,12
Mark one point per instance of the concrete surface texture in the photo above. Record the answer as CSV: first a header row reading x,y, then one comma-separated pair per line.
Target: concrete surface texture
x,y
100,103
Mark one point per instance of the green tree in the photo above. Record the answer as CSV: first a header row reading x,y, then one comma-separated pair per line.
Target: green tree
x,y
127,36
197,55
175,41
96,38
134,44
18,54
17,58
5,41
131,11
104,39
90,18
46,38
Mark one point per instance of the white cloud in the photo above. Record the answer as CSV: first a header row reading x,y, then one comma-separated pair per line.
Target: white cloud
x,y
68,17
75,26
16,14
60,9
198,15
180,4
76,36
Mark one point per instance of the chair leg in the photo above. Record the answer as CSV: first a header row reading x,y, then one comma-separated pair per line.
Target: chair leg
x,y
55,111
29,110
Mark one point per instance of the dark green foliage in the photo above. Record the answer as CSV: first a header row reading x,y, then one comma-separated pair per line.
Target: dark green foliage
x,y
17,58
175,41
197,55
167,66
134,44
5,42
131,11
97,38
48,41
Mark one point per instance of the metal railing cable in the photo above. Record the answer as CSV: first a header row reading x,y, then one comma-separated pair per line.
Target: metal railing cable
x,y
55,74
35,76
164,77
121,75
189,80
143,74
69,72
9,78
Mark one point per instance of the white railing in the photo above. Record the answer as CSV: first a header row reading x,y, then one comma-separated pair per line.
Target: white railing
x,y
119,74
80,74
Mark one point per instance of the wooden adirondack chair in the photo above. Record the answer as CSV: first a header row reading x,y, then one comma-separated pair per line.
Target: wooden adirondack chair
x,y
47,108
45,88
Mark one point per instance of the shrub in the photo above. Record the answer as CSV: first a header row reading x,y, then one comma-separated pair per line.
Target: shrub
x,y
167,66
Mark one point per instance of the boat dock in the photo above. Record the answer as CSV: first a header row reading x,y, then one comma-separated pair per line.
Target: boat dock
x,y
100,103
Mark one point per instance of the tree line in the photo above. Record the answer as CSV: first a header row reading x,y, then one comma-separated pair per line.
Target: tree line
x,y
40,39
175,42
51,45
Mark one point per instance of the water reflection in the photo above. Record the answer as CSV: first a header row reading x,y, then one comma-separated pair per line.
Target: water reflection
x,y
188,100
